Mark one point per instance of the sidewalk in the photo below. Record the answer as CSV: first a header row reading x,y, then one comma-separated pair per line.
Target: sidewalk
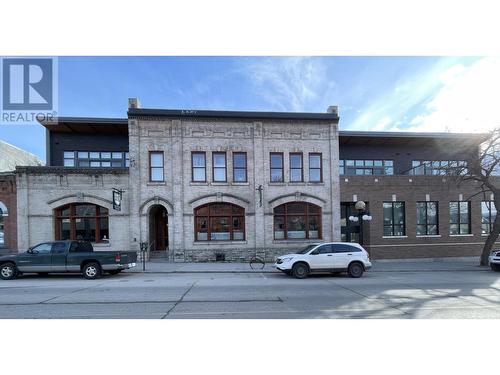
x,y
378,266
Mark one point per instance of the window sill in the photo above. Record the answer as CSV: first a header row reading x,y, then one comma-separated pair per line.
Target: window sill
x,y
234,242
461,235
198,183
101,244
297,183
319,183
428,236
219,183
241,184
277,184
394,236
298,241
156,183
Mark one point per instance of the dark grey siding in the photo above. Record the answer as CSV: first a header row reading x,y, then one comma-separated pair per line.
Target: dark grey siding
x,y
60,142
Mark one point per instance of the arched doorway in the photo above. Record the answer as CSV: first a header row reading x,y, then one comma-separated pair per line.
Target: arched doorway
x,y
158,228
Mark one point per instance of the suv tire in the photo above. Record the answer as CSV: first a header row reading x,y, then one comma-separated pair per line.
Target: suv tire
x,y
355,270
300,270
495,267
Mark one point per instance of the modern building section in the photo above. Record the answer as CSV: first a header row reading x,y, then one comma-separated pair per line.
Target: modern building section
x,y
225,185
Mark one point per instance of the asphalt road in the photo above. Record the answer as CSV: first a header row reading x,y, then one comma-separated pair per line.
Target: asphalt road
x,y
452,294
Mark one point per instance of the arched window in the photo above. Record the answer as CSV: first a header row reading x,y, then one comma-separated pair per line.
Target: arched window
x,y
219,222
3,212
82,221
297,220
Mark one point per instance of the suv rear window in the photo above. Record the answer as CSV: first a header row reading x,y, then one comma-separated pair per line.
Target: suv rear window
x,y
345,248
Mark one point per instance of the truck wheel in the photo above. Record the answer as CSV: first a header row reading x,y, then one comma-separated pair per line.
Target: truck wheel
x,y
8,271
92,271
495,267
114,272
355,270
300,270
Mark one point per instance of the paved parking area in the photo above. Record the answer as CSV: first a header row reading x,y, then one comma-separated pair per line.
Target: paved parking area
x,y
391,294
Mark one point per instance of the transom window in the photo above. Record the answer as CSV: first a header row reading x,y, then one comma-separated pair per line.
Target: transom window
x,y
394,219
297,220
219,222
427,218
460,218
488,215
438,167
93,159
366,167
82,221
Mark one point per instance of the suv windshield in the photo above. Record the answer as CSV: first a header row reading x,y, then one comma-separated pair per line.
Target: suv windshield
x,y
306,249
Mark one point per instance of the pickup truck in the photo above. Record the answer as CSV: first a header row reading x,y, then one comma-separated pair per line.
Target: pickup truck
x,y
66,256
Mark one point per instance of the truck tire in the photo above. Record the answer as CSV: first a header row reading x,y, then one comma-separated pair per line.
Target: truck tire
x,y
92,271
8,271
114,272
495,267
355,270
300,270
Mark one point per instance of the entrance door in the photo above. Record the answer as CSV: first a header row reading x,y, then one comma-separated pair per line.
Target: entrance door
x,y
161,229
349,230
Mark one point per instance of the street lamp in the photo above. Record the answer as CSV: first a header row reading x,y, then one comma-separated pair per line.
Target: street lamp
x,y
363,215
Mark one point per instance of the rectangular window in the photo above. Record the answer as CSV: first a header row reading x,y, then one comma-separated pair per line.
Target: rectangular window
x,y
366,167
219,166
296,167
315,167
277,167
460,218
394,219
488,215
198,167
239,167
427,218
69,158
438,167
96,159
156,166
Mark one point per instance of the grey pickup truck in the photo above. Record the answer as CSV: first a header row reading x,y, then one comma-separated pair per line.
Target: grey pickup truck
x,y
66,256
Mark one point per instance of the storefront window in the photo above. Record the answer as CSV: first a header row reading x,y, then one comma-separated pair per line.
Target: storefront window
x,y
297,220
82,221
219,222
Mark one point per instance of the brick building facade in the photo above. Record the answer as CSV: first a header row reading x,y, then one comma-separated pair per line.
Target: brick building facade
x,y
8,212
208,185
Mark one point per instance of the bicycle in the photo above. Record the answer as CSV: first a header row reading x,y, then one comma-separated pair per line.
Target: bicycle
x,y
258,262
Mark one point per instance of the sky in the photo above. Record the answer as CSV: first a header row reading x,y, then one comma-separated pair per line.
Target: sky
x,y
453,94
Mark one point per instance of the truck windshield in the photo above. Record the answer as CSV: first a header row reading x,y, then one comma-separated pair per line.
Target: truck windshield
x,y
306,249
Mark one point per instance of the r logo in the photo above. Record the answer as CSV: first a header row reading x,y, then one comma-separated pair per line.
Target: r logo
x,y
27,84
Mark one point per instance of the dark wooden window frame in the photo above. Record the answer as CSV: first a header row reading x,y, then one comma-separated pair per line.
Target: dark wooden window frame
x,y
72,220
491,219
210,215
282,168
213,165
193,153
162,166
393,225
306,215
301,165
320,166
239,168
459,223
427,225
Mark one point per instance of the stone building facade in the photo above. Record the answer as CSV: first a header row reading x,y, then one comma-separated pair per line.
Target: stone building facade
x,y
224,185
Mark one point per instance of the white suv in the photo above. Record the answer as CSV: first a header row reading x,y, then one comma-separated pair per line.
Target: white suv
x,y
333,257
494,259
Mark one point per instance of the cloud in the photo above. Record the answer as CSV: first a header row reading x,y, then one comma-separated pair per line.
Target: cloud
x,y
291,83
467,101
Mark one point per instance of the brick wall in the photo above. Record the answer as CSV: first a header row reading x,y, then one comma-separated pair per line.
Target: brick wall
x,y
8,198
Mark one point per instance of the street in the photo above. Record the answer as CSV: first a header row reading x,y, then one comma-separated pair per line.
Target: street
x,y
436,294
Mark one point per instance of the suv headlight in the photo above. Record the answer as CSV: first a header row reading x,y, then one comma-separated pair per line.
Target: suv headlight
x,y
286,259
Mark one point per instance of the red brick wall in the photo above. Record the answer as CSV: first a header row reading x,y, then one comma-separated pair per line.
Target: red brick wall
x,y
8,198
376,189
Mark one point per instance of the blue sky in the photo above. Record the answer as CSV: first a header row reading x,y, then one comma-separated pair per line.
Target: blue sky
x,y
373,93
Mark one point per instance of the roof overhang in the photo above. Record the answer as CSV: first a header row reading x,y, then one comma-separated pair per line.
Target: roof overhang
x,y
92,125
